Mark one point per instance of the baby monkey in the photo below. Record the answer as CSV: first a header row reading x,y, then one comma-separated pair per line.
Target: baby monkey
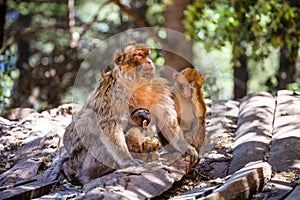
x,y
141,143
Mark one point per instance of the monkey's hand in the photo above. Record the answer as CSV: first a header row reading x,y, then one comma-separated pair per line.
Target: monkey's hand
x,y
132,162
192,152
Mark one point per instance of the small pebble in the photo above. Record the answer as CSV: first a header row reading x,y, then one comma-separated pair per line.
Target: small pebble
x,y
186,187
10,156
1,147
7,166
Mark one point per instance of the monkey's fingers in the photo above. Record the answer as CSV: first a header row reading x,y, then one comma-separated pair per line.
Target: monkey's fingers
x,y
192,152
155,144
145,123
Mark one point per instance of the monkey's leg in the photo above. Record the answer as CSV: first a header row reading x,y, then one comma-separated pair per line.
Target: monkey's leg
x,y
167,122
117,149
198,134
93,168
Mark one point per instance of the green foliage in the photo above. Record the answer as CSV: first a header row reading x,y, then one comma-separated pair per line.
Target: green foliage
x,y
294,86
37,30
155,11
215,66
226,29
283,26
49,64
6,84
253,28
8,73
250,21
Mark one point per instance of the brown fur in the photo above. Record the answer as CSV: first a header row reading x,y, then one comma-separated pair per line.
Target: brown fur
x,y
95,139
142,144
140,141
190,106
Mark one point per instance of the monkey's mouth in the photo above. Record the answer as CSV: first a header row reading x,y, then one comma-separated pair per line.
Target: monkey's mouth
x,y
187,96
147,73
147,70
187,93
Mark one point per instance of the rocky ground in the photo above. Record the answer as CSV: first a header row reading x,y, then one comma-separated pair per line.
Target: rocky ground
x,y
252,152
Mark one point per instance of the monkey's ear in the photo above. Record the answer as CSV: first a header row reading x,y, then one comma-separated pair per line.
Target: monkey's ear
x,y
118,57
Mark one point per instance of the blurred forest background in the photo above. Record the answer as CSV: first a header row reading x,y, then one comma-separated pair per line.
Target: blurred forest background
x,y
254,44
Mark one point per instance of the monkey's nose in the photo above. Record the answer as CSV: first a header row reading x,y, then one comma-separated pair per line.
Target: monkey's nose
x,y
148,67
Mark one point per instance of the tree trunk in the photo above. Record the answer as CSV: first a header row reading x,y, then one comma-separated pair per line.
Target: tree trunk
x,y
287,66
181,52
240,75
71,23
2,21
22,86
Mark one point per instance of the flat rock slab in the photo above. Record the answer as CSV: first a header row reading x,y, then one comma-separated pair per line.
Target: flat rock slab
x,y
295,194
135,183
244,183
221,117
28,190
196,193
25,180
221,123
277,188
285,148
254,129
32,155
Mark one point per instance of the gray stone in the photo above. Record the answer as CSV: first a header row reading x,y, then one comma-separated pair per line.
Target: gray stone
x,y
141,182
221,126
275,189
254,129
244,183
295,195
196,193
285,148
220,169
221,117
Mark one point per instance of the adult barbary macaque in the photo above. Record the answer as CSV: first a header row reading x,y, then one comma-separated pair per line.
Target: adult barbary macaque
x,y
95,139
190,106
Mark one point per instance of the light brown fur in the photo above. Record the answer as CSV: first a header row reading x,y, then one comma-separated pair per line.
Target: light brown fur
x,y
142,144
190,106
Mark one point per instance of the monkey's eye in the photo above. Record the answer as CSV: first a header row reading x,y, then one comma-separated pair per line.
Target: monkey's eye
x,y
182,86
186,85
138,54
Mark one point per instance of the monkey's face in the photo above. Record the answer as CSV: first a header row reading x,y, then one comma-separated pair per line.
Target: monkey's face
x,y
146,67
187,90
140,117
188,81
134,60
182,84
